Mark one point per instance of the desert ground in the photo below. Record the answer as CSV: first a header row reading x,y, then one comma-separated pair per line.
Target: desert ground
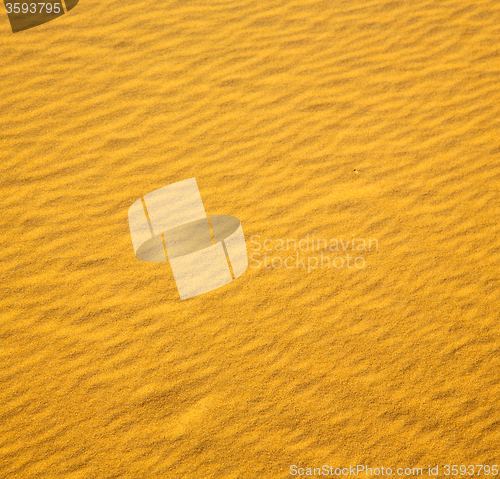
x,y
346,121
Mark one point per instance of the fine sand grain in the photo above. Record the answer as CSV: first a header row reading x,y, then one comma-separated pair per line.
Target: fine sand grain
x,y
338,119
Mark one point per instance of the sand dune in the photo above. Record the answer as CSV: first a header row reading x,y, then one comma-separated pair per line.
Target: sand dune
x,y
337,119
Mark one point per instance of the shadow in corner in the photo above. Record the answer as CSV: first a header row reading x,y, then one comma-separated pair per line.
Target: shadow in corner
x,y
28,14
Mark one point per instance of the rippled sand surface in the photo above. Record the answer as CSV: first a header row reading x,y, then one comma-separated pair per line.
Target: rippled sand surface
x,y
376,119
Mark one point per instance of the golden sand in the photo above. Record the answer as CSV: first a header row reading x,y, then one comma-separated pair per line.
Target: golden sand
x,y
376,119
